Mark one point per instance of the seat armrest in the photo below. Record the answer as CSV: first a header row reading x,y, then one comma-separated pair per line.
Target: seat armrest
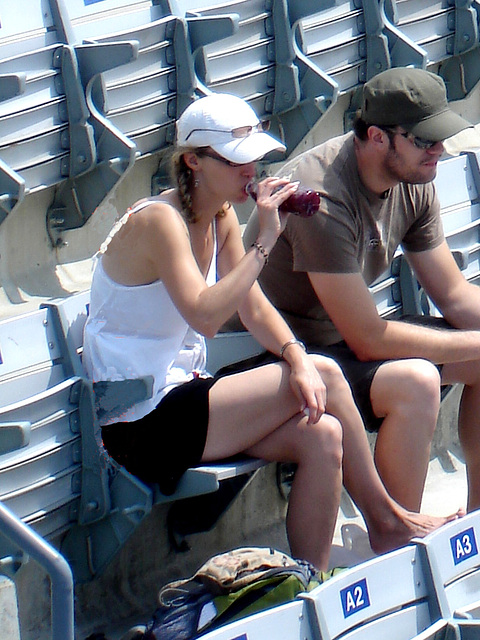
x,y
14,435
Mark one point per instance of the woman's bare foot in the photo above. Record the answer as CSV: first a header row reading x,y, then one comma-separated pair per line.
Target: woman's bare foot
x,y
403,526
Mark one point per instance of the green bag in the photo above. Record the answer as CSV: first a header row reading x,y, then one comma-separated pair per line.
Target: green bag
x,y
228,587
257,596
261,595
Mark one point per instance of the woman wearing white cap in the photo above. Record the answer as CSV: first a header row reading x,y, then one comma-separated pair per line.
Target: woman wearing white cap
x,y
174,270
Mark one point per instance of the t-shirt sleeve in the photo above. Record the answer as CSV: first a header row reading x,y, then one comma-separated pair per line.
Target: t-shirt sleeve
x,y
324,243
426,231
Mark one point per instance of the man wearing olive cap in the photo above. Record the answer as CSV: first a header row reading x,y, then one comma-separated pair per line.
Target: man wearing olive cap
x,y
377,194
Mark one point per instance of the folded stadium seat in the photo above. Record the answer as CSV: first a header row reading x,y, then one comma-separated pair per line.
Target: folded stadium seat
x,y
441,29
37,148
452,556
389,596
260,62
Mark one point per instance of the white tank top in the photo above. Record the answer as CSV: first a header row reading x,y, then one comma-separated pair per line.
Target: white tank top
x,y
133,331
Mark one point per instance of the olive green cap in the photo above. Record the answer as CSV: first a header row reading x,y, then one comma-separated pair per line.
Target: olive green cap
x,y
413,99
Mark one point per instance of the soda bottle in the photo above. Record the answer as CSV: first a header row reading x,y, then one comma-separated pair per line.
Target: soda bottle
x,y
304,202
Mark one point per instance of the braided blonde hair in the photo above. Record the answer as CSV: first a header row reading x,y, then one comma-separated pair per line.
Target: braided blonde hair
x,y
184,179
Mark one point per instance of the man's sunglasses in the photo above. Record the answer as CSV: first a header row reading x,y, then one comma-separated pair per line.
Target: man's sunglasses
x,y
202,154
238,132
420,143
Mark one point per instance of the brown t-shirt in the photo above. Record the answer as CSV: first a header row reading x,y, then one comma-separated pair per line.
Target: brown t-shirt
x,y
355,231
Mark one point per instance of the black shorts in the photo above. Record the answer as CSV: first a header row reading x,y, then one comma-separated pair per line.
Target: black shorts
x,y
162,445
358,373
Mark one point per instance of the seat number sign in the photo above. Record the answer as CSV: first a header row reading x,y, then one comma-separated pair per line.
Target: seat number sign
x,y
355,597
463,545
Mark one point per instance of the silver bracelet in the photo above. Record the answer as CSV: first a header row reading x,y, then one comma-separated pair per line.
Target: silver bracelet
x,y
289,342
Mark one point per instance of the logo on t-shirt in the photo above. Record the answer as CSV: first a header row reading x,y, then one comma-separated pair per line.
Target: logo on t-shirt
x,y
373,243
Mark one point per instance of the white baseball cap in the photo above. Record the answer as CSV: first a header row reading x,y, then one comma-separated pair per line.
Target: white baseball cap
x,y
228,125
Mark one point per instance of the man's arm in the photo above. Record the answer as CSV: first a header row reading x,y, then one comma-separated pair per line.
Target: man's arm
x,y
351,307
457,299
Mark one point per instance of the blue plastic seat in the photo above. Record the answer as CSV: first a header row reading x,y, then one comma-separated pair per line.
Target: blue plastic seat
x,y
441,29
33,118
453,557
40,461
387,597
458,187
285,622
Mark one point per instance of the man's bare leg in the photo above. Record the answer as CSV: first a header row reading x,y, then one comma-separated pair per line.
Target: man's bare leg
x,y
468,373
406,393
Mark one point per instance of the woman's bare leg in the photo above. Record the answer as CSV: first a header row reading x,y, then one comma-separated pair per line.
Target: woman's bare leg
x,y
246,407
315,494
270,410
256,411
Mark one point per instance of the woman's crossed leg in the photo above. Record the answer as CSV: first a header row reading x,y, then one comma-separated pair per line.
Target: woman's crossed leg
x,y
257,412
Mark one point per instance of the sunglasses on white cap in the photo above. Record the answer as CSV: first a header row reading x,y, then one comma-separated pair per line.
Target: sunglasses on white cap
x,y
238,132
202,153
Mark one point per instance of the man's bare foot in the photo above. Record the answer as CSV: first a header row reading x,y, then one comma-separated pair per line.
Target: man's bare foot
x,y
404,526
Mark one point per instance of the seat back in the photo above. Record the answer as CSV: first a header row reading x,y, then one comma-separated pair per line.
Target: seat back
x,y
143,97
35,148
452,554
285,622
88,19
345,40
68,316
386,597
441,29
229,347
247,47
40,455
240,57
386,291
451,630
458,188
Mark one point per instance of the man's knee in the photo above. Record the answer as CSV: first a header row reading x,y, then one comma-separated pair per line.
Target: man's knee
x,y
407,386
424,378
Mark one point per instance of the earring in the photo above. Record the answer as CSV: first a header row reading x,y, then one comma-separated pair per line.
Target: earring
x,y
196,182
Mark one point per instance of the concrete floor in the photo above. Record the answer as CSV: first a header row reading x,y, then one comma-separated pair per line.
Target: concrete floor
x,y
445,492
